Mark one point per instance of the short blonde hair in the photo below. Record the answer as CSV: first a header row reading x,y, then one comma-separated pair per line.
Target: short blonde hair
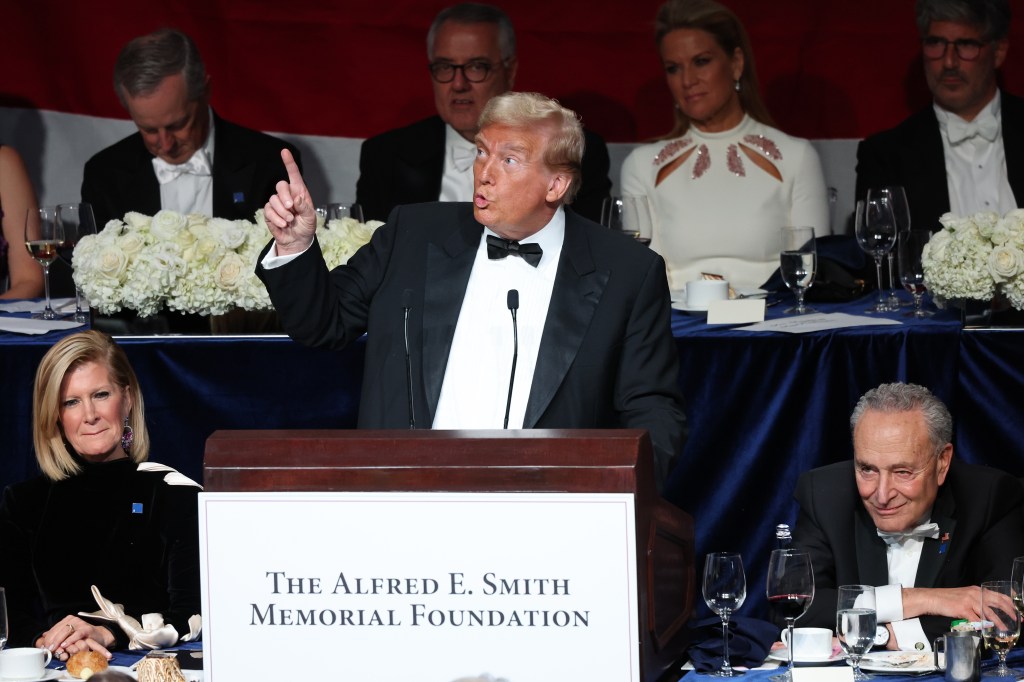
x,y
53,453
530,109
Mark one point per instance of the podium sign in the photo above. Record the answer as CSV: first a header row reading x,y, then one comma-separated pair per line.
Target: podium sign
x,y
430,586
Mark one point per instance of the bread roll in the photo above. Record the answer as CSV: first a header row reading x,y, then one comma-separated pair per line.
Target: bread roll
x,y
85,664
158,667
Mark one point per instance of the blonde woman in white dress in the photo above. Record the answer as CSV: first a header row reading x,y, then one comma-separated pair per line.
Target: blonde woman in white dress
x,y
724,181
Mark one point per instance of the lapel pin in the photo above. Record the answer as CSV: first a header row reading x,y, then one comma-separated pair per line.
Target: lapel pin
x,y
238,197
944,540
136,507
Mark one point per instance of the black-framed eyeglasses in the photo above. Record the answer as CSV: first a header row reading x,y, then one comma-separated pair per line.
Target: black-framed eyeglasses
x,y
967,49
475,71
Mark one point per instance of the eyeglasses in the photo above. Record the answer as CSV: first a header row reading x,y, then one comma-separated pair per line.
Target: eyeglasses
x,y
475,71
967,49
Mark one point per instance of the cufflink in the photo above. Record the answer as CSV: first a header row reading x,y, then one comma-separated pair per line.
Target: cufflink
x,y
919,646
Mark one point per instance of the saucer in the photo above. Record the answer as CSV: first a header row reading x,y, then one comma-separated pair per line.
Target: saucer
x,y
782,655
47,675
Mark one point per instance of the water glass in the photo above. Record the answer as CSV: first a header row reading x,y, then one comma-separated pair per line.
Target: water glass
x,y
856,621
725,589
798,262
629,214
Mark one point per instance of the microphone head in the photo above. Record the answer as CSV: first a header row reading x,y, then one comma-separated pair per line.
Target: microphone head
x,y
513,299
407,298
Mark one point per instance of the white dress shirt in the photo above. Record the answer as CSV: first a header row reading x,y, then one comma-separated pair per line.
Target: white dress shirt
x,y
902,559
475,387
457,179
976,161
189,192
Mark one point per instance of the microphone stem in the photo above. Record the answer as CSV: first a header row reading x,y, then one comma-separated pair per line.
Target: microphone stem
x,y
515,357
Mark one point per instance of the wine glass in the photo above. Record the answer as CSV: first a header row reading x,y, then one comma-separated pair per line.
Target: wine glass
x,y
725,588
1017,578
798,261
911,245
3,619
1000,622
629,214
856,621
876,233
901,214
77,221
790,591
43,236
339,211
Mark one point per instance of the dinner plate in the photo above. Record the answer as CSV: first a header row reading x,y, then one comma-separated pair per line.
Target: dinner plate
x,y
783,656
63,675
47,675
898,662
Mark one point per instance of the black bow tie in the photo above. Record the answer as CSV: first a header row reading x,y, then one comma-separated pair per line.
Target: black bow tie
x,y
498,248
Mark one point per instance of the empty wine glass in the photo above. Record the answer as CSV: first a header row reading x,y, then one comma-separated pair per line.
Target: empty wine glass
x,y
911,244
876,233
1017,578
856,621
1000,623
790,591
629,214
798,262
77,221
339,211
901,214
3,619
725,589
43,236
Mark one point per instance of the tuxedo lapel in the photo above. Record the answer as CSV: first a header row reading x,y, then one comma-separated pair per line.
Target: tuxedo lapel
x,y
872,565
935,551
574,298
449,264
1012,115
419,167
926,164
233,174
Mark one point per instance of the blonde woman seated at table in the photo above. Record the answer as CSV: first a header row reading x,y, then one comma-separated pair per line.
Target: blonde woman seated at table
x,y
20,276
724,181
101,527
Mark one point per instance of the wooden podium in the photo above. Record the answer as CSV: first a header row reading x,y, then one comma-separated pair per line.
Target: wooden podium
x,y
565,461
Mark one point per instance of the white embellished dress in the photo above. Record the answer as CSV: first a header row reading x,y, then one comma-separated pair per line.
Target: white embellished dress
x,y
719,211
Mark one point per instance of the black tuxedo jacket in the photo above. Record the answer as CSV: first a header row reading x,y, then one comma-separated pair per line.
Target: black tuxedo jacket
x,y
979,512
607,358
911,155
246,167
405,165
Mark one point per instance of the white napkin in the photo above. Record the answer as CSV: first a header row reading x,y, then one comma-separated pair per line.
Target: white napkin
x,y
24,325
152,633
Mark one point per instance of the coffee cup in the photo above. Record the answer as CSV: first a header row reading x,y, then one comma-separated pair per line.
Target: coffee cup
x,y
23,663
810,643
701,292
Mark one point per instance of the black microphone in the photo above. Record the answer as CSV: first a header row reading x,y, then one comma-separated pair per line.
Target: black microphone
x,y
513,306
406,307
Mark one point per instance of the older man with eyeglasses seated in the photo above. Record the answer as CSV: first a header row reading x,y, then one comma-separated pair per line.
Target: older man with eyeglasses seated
x,y
964,153
926,530
472,53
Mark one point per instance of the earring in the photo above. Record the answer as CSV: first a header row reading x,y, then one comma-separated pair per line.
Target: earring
x,y
737,85
127,437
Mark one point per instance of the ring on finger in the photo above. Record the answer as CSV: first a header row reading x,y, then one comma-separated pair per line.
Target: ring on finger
x,y
71,626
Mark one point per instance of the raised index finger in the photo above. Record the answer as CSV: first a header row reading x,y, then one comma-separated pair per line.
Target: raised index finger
x,y
294,176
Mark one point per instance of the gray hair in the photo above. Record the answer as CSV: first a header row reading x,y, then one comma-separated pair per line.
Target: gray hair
x,y
899,397
529,110
147,60
476,13
991,17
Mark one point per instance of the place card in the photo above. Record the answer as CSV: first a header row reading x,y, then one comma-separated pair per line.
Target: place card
x,y
736,311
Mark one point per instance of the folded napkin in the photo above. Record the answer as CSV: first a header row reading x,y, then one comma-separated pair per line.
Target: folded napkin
x,y
750,641
151,633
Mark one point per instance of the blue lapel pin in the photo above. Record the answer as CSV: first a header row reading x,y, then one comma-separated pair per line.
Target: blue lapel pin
x,y
238,197
944,540
136,507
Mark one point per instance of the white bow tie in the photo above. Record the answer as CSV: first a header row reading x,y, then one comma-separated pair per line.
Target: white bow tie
x,y
959,130
199,164
925,530
463,158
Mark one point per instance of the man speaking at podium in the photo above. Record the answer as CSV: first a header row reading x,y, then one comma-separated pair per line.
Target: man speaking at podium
x,y
510,311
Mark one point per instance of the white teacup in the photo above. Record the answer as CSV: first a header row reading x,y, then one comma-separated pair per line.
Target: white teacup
x,y
23,663
701,292
810,643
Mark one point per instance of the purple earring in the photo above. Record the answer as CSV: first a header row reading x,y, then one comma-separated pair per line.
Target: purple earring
x,y
127,437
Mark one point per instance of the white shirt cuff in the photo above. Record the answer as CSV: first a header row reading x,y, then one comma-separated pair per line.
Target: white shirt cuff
x,y
888,603
910,635
272,260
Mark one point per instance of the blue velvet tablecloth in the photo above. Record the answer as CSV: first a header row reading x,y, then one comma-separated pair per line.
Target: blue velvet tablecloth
x,y
762,407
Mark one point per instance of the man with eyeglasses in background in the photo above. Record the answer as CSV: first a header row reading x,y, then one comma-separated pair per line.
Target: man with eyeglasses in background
x,y
965,152
472,53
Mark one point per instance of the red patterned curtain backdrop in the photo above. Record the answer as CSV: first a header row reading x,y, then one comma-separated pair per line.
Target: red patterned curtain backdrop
x,y
353,69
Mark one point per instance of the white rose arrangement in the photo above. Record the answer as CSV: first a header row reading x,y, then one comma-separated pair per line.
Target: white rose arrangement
x,y
976,256
190,263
